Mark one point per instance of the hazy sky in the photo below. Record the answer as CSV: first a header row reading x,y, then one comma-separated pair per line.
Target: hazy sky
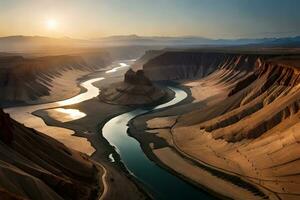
x,y
98,18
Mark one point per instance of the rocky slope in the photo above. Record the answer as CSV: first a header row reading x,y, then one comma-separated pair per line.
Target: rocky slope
x,y
28,79
35,166
136,89
244,119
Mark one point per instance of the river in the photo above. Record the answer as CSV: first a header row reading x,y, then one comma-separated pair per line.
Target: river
x,y
160,183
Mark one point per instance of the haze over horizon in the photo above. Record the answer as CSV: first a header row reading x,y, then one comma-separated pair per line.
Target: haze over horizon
x,y
206,18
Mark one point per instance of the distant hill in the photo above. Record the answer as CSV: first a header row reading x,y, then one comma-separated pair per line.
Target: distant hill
x,y
29,43
284,42
192,41
152,40
36,43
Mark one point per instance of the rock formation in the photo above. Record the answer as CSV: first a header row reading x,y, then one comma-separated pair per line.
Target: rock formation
x,y
136,89
136,78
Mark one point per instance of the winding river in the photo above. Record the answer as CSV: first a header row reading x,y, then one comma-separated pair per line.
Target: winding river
x,y
161,183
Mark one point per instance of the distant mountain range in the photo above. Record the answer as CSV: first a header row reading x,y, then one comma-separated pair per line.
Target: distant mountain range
x,y
192,40
31,43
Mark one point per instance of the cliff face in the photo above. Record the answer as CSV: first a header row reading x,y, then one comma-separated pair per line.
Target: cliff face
x,y
35,166
270,98
150,54
267,93
189,65
24,79
250,126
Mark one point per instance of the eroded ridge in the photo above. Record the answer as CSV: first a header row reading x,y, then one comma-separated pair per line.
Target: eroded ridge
x,y
249,124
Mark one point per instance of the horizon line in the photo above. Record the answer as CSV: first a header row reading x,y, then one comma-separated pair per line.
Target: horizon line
x,y
150,36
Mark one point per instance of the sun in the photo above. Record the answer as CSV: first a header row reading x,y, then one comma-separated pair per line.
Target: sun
x,y
51,24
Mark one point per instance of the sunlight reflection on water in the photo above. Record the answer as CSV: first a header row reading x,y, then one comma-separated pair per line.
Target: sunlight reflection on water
x,y
122,65
65,115
92,92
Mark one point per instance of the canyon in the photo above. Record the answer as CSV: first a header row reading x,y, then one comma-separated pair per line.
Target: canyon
x,y
231,133
149,100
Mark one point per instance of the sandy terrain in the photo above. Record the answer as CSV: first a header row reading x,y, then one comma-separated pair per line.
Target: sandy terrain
x,y
207,180
161,122
65,115
59,91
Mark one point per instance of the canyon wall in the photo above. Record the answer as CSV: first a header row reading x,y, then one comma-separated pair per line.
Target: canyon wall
x,y
150,54
180,65
35,166
28,79
250,126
